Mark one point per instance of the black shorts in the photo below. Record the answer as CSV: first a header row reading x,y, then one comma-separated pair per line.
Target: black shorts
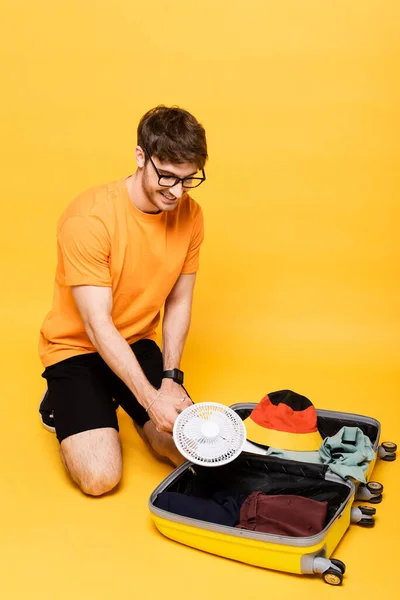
x,y
83,390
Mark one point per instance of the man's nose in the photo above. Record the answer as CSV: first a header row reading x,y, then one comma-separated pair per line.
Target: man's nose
x,y
177,190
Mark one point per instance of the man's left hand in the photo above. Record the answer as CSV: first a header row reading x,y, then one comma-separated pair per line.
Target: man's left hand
x,y
170,387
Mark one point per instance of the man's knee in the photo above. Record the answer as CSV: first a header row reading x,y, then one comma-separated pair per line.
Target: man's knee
x,y
94,460
97,484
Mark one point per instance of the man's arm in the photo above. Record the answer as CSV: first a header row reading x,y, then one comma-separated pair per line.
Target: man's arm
x,y
176,322
95,306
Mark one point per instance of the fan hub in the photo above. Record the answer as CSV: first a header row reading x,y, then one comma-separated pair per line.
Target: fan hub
x,y
209,429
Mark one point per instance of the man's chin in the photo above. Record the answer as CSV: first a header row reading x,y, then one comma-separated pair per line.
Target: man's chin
x,y
165,204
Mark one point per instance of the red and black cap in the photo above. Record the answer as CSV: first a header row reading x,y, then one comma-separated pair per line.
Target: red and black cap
x,y
284,420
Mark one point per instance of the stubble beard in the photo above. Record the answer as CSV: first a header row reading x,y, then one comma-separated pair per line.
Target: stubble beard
x,y
148,193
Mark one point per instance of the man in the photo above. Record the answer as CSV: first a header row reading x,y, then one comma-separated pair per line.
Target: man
x,y
125,250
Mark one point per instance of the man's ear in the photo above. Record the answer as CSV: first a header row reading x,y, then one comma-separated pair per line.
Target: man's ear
x,y
140,156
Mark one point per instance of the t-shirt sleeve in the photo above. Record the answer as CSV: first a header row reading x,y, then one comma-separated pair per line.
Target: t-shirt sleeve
x,y
191,264
85,249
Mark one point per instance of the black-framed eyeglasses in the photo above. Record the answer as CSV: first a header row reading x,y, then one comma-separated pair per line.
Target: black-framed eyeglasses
x,y
172,180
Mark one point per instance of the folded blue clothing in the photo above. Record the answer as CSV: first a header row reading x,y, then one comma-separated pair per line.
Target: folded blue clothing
x,y
222,508
348,453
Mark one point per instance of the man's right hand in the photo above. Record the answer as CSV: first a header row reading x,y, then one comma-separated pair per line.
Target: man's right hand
x,y
165,410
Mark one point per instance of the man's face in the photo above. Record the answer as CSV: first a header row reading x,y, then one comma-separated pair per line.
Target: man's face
x,y
165,198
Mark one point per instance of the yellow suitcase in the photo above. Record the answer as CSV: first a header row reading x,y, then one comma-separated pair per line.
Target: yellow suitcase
x,y
250,472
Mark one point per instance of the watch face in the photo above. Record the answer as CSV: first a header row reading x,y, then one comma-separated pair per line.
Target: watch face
x,y
174,374
177,375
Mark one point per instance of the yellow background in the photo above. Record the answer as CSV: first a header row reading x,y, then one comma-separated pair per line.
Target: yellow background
x,y
299,281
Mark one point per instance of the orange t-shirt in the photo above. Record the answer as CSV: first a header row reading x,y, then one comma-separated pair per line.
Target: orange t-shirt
x,y
104,240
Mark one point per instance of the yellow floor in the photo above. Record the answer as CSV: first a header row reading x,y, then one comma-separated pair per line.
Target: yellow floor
x,y
58,544
299,281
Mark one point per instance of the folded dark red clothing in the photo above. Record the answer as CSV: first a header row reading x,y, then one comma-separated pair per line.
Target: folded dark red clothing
x,y
287,515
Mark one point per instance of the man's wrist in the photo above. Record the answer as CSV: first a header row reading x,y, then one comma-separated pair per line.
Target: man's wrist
x,y
146,396
175,374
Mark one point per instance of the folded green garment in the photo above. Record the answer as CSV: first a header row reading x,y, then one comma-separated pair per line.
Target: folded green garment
x,y
348,453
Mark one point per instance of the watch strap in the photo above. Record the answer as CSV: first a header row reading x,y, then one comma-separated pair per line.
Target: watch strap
x,y
175,374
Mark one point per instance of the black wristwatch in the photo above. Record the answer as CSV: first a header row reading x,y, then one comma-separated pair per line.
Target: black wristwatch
x,y
174,374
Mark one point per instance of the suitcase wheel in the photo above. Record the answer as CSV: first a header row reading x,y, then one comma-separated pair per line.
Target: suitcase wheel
x,y
371,492
389,446
389,457
366,522
376,499
367,510
363,515
332,576
387,451
374,487
332,570
339,564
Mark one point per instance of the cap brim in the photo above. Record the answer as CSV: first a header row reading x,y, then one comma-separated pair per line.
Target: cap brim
x,y
300,442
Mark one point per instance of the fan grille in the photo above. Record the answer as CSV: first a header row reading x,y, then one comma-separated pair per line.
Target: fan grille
x,y
209,434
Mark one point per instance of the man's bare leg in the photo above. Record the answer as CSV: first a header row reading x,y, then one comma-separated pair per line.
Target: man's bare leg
x,y
93,459
161,443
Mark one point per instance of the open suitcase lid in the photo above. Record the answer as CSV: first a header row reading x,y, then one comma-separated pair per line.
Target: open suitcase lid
x,y
329,422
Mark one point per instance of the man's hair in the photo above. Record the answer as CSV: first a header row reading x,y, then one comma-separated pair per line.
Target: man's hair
x,y
173,135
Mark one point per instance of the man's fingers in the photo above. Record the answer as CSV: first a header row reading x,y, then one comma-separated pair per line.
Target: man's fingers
x,y
164,431
164,416
165,425
185,402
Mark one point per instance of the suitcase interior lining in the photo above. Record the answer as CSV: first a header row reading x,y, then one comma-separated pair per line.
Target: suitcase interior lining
x,y
257,473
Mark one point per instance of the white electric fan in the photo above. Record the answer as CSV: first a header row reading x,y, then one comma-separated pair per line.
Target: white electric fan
x,y
209,434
